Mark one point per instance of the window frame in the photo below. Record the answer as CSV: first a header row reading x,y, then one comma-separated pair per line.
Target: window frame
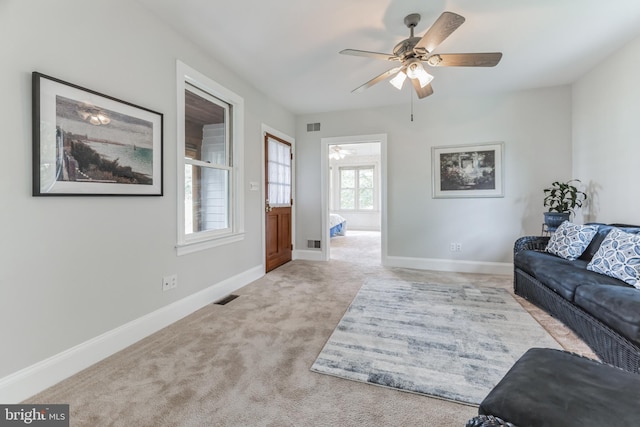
x,y
356,189
192,242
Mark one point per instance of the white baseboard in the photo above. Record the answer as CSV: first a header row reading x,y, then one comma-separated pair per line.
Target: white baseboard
x,y
364,228
20,385
308,255
451,265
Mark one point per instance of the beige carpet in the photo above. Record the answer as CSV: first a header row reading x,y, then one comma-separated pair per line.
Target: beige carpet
x,y
247,363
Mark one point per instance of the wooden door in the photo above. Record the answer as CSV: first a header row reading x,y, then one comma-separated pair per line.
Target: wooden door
x,y
278,161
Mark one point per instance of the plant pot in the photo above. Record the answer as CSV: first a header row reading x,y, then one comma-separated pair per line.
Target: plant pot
x,y
553,219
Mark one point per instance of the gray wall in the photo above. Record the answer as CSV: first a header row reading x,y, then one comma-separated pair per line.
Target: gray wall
x,y
606,125
72,268
535,127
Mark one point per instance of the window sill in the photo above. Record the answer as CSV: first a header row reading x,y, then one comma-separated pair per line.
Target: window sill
x,y
189,248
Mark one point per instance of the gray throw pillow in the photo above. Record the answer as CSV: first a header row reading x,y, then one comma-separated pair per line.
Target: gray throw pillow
x,y
619,257
570,240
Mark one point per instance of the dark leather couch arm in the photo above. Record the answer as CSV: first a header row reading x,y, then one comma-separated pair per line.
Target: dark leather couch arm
x,y
487,421
537,243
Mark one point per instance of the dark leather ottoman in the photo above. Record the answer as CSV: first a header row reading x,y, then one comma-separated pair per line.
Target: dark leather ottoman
x,y
548,387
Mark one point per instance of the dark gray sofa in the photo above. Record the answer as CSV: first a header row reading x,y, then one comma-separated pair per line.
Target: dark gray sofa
x,y
603,311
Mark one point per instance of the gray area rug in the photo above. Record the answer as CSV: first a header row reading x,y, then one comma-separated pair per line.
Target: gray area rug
x,y
448,341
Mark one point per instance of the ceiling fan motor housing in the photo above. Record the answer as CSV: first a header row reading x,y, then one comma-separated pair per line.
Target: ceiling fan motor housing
x,y
404,49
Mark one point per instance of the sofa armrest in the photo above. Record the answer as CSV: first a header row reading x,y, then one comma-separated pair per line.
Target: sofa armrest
x,y
487,421
536,243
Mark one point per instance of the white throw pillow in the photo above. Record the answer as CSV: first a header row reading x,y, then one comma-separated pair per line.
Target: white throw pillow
x,y
619,257
570,240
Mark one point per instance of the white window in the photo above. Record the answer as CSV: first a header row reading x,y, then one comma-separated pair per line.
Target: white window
x,y
357,188
210,149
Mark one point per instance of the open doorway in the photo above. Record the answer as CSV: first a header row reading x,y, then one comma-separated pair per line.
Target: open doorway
x,y
357,247
355,198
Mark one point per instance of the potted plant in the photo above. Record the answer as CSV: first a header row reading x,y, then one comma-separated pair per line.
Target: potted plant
x,y
561,199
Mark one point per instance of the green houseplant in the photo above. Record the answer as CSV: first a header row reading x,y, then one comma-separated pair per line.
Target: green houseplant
x,y
561,199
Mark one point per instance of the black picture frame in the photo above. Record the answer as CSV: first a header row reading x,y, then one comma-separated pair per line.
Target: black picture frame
x,y
462,171
86,143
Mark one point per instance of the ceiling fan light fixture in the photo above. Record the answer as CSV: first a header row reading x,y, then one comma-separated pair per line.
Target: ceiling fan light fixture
x,y
415,70
424,78
398,80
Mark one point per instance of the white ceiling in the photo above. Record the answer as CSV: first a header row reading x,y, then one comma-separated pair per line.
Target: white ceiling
x,y
289,48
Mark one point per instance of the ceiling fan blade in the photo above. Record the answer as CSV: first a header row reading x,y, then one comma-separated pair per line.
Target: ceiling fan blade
x,y
422,92
367,54
377,79
487,59
446,24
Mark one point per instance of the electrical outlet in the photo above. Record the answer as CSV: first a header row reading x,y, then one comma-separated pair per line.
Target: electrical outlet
x,y
169,282
455,247
458,247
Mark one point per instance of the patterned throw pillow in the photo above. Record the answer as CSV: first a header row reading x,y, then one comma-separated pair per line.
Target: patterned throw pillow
x,y
570,240
619,257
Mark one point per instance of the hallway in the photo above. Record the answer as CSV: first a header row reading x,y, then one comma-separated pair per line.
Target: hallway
x,y
358,247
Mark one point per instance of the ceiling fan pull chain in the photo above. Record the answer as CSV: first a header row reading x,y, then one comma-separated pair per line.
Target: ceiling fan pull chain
x,y
411,95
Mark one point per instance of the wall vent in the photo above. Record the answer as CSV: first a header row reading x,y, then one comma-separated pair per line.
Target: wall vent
x,y
313,244
226,299
313,127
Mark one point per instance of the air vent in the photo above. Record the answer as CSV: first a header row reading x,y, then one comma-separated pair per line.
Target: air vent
x,y
313,244
226,299
313,127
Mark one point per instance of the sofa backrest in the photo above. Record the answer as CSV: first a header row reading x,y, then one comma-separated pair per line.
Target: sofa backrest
x,y
603,230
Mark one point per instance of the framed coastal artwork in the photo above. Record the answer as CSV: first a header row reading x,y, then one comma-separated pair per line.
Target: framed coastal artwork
x,y
468,170
89,144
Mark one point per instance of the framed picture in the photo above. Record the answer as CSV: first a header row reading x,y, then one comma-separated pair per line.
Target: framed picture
x,y
468,170
87,144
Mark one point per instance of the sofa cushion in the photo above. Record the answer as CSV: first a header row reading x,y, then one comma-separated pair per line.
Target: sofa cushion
x,y
548,387
565,280
533,261
570,240
619,257
561,275
618,307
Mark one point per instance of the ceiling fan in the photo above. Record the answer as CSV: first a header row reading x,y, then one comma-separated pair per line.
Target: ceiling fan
x,y
338,153
412,52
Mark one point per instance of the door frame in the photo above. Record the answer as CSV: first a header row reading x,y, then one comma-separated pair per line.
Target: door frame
x,y
263,190
324,180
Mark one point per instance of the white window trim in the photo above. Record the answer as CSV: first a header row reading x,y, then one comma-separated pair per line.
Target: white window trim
x,y
200,241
